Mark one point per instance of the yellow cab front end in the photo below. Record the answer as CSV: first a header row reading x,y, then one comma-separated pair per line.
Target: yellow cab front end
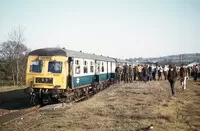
x,y
47,72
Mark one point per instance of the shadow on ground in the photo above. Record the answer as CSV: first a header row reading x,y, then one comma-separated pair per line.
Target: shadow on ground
x,y
14,100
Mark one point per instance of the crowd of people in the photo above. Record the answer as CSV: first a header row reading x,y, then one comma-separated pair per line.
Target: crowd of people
x,y
148,73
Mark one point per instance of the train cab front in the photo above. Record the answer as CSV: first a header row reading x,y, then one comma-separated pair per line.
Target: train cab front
x,y
45,76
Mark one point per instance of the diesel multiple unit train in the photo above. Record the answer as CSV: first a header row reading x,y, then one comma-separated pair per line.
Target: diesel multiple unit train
x,y
57,74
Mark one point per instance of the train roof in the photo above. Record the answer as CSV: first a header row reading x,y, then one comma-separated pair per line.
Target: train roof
x,y
65,52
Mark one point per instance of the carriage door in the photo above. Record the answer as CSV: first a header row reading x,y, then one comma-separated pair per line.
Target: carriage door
x,y
107,70
111,70
70,72
97,70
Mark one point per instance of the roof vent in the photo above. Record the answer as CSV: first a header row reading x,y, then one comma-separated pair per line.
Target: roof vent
x,y
80,50
93,54
64,48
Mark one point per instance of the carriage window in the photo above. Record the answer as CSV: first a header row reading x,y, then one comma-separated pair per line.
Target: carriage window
x,y
98,67
102,67
77,67
77,62
36,66
85,68
91,67
55,67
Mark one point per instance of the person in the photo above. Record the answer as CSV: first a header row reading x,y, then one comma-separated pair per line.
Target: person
x,y
150,72
172,76
183,76
126,72
144,73
160,72
154,73
131,73
188,72
135,72
196,69
139,70
178,71
165,72
118,74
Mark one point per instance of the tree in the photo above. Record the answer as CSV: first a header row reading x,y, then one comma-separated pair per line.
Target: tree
x,y
14,52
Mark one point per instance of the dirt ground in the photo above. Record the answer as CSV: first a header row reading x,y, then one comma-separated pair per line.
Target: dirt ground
x,y
122,107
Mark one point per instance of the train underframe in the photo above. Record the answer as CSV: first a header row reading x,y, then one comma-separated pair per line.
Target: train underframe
x,y
50,96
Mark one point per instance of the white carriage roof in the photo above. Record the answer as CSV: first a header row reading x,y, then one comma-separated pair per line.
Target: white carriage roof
x,y
69,53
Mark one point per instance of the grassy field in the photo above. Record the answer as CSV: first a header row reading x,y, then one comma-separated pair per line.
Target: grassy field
x,y
123,107
10,88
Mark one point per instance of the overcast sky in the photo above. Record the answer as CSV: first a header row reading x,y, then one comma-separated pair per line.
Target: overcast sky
x,y
117,28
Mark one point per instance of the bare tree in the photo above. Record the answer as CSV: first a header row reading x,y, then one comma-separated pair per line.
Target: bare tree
x,y
14,51
17,35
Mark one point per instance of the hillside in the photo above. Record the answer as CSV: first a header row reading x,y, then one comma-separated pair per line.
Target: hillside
x,y
181,58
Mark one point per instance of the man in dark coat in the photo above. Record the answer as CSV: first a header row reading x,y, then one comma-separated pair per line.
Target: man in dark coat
x,y
172,76
126,73
150,73
131,73
118,74
144,72
154,73
135,72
